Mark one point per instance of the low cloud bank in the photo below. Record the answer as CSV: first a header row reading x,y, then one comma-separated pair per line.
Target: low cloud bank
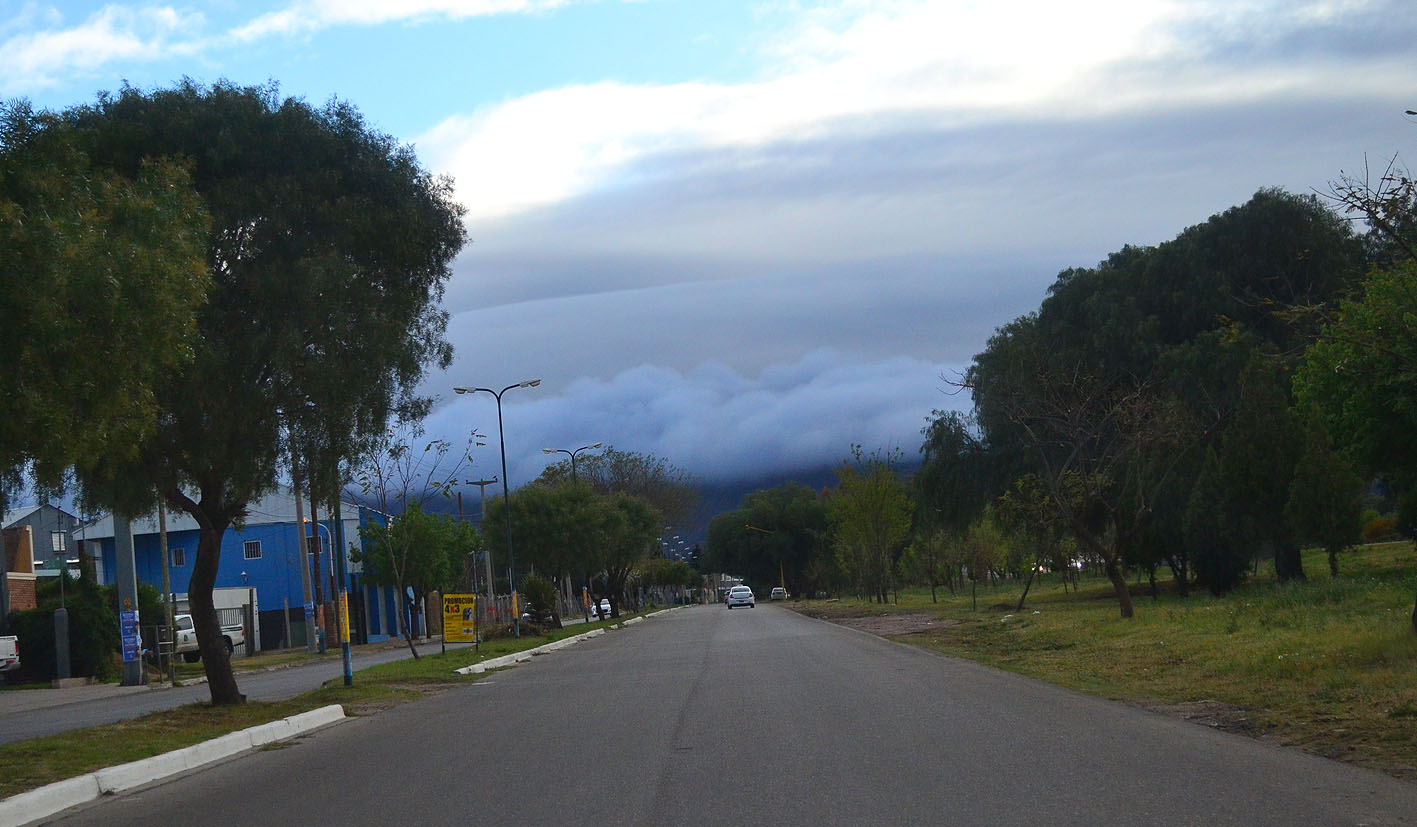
x,y
713,421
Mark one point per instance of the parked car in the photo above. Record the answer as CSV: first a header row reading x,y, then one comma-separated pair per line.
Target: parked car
x,y
741,596
602,609
185,638
779,593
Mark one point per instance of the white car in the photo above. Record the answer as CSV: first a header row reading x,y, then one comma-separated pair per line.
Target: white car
x,y
603,610
779,593
740,596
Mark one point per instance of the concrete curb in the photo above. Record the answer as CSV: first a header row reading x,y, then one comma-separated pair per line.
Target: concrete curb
x,y
61,795
523,657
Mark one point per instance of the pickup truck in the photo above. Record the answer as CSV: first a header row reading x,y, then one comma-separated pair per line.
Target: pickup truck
x,y
9,653
185,642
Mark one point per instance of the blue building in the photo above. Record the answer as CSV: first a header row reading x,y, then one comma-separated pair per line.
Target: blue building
x,y
261,556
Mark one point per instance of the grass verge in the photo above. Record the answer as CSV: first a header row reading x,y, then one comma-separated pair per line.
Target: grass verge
x,y
1325,665
39,761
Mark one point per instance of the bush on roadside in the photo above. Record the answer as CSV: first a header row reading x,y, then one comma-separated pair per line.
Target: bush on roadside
x,y
1380,529
93,631
541,597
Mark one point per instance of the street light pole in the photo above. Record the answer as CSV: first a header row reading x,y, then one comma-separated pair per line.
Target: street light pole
x,y
584,575
572,455
506,494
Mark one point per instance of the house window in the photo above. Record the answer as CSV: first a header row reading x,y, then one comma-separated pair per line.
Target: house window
x,y
179,556
251,549
59,542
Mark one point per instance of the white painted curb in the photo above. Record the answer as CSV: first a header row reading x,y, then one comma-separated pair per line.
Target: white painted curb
x,y
524,656
61,795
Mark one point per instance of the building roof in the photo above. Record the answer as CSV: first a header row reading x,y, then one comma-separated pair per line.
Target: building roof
x,y
14,515
274,508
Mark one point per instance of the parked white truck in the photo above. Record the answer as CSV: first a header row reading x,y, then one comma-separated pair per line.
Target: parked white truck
x,y
9,653
185,639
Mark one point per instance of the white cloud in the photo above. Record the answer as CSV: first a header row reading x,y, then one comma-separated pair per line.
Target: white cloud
x,y
314,15
38,59
862,66
715,422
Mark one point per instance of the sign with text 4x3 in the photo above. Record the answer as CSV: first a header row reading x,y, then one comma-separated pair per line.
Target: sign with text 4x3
x,y
460,618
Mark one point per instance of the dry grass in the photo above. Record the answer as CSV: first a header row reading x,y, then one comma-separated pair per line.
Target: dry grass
x,y
1327,665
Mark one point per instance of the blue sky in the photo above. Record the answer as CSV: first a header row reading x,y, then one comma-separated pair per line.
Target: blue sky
x,y
743,236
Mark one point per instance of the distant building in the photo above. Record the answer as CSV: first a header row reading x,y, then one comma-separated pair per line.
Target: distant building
x,y
34,536
50,528
262,554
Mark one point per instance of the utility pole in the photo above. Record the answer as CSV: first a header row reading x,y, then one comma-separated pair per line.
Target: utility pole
x,y
487,552
304,555
342,606
127,582
169,618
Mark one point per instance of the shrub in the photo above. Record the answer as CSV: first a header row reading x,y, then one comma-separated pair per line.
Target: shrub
x,y
93,632
541,594
1379,529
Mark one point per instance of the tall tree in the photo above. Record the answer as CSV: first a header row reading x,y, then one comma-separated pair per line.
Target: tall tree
x,y
630,528
1220,565
653,479
870,512
328,253
1361,376
776,533
1324,504
1257,451
415,552
102,280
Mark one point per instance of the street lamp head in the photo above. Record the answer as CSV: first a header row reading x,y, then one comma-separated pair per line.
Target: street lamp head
x,y
530,383
548,450
462,390
596,445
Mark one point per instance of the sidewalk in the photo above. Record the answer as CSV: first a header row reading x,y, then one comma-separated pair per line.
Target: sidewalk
x,y
29,700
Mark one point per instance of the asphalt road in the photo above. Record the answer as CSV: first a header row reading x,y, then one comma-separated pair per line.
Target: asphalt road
x,y
32,713
711,716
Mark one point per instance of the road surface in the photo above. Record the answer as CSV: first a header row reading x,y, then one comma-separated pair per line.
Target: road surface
x,y
714,716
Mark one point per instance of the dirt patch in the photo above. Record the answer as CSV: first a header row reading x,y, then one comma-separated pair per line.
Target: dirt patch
x,y
891,625
1227,717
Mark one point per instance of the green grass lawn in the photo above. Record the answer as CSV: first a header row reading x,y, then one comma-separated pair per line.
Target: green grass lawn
x,y
1328,665
39,761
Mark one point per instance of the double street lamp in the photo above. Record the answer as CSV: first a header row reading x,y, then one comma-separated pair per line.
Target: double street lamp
x,y
572,455
506,495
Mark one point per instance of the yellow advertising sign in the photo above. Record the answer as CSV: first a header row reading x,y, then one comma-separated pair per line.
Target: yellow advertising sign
x,y
459,618
344,616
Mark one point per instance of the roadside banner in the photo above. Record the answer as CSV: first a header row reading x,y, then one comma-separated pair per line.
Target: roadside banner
x,y
460,618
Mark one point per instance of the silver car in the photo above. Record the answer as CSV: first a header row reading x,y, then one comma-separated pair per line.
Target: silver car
x,y
740,596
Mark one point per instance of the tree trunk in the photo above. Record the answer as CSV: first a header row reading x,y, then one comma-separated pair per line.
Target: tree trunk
x,y
221,681
1119,584
1288,564
1027,586
1333,562
400,599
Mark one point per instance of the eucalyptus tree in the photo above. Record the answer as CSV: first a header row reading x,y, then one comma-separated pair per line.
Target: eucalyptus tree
x,y
328,252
